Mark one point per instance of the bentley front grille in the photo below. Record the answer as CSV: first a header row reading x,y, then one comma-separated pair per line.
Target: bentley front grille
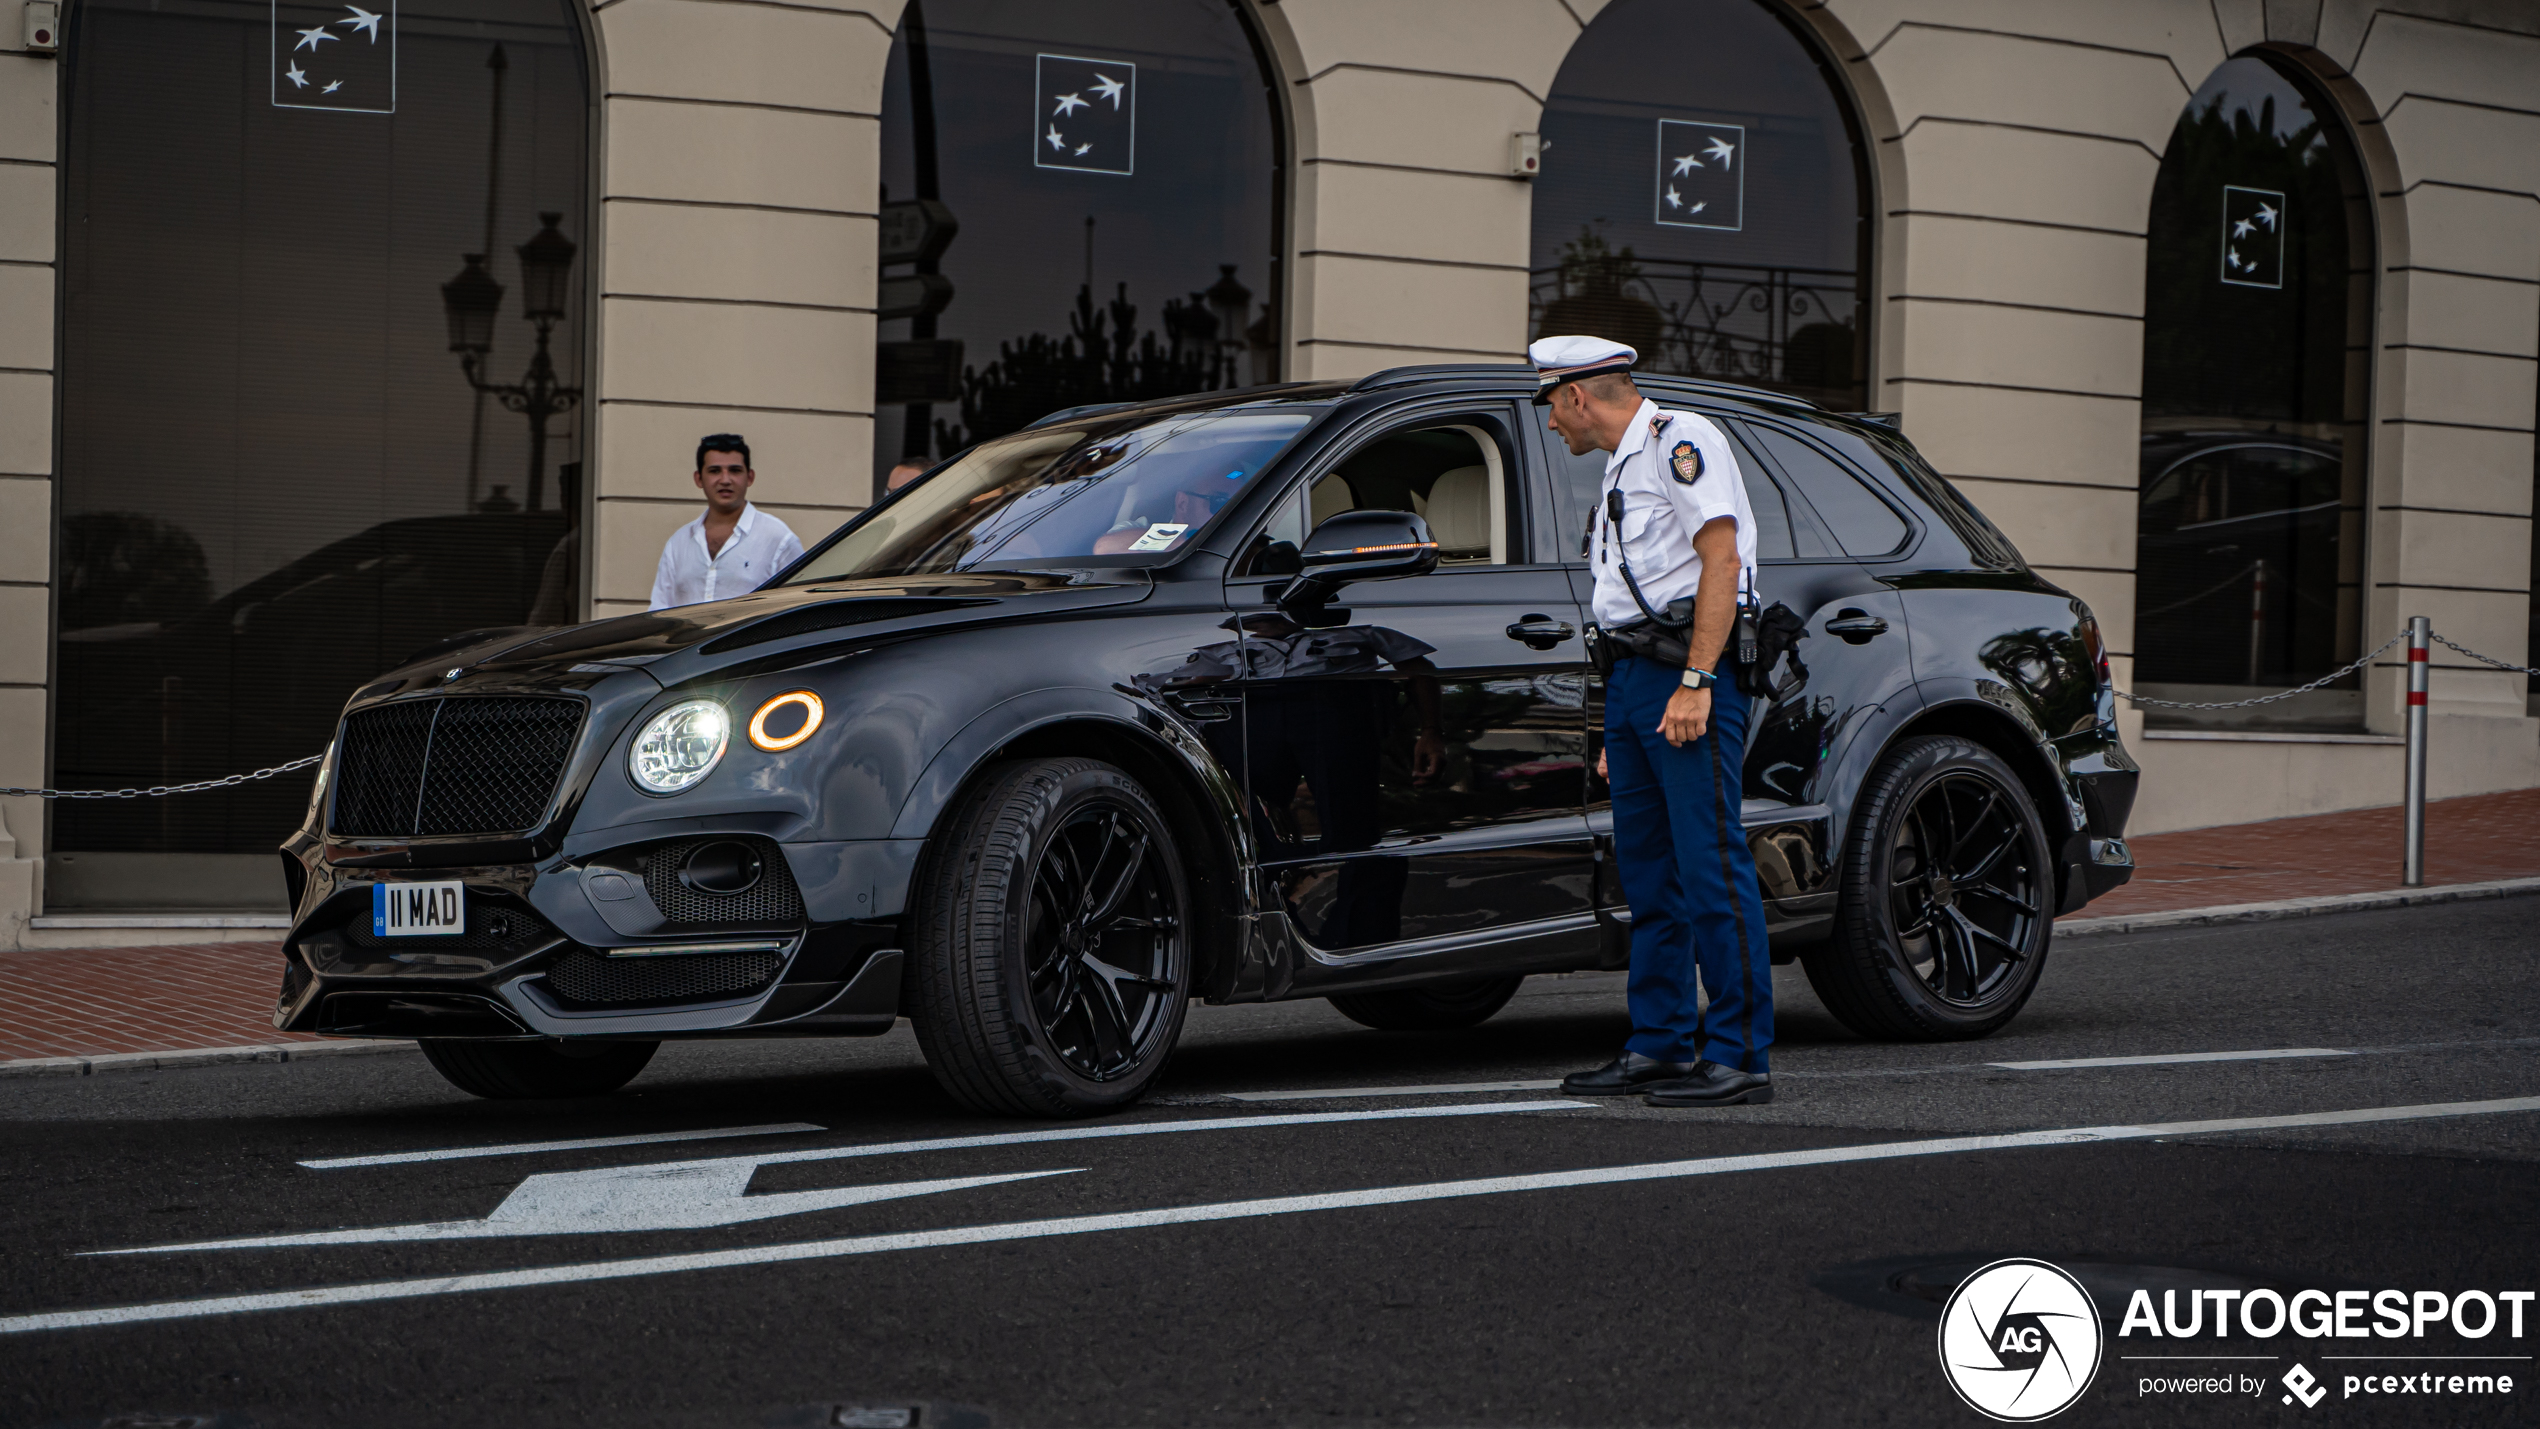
x,y
456,765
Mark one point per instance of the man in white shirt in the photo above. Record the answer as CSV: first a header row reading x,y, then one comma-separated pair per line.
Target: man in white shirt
x,y
734,547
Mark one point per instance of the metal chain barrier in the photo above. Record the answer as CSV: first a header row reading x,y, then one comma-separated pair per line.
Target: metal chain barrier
x,y
2332,676
2485,659
159,790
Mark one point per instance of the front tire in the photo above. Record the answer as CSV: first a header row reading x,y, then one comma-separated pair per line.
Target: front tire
x,y
1946,898
528,1071
1446,1007
1052,962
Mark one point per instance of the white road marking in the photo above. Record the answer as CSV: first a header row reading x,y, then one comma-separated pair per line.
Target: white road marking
x,y
524,1148
2167,1058
634,1198
1221,1211
691,1195
1443,1089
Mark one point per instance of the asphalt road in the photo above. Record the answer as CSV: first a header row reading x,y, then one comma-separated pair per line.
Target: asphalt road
x,y
1432,1257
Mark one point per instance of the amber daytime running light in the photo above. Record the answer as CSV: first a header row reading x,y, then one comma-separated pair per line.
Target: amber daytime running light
x,y
777,727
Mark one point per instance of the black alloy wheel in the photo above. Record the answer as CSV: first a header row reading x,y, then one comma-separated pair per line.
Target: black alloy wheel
x,y
1053,965
1440,1007
1947,899
529,1071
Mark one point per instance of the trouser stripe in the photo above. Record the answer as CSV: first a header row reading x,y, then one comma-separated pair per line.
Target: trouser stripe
x,y
1723,820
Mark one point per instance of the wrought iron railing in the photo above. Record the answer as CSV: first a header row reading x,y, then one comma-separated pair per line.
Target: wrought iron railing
x,y
1771,326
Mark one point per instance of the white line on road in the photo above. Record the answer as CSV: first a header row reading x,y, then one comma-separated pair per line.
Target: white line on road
x,y
1442,1089
523,1148
1220,1211
2167,1058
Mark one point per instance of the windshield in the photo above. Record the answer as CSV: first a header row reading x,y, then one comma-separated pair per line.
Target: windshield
x,y
1066,493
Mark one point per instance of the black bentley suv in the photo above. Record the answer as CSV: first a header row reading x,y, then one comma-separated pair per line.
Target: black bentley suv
x,y
1254,695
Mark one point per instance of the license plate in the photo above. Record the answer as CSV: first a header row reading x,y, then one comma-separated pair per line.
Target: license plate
x,y
417,910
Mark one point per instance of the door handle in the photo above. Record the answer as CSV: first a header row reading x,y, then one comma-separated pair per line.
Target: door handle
x,y
1541,632
1856,626
1203,709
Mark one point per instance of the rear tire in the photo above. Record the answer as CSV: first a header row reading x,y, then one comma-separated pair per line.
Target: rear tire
x,y
1052,942
1947,898
522,1071
1445,1007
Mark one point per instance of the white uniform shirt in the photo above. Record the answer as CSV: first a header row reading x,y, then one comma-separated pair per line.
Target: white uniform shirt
x,y
759,547
1677,473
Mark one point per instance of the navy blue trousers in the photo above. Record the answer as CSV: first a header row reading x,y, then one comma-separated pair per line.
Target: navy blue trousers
x,y
1687,874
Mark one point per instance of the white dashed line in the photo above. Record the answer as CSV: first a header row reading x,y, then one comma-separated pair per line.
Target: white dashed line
x,y
524,1148
2168,1058
1445,1089
1221,1211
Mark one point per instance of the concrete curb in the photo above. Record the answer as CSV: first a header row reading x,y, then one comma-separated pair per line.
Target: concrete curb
x,y
198,1057
2295,908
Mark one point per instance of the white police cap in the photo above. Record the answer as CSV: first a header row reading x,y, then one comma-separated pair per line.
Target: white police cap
x,y
1567,359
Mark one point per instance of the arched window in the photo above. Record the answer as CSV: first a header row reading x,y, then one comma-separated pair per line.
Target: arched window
x,y
1108,173
2256,375
1705,198
277,476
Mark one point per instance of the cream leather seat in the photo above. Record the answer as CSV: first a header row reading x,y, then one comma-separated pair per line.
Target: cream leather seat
x,y
1459,514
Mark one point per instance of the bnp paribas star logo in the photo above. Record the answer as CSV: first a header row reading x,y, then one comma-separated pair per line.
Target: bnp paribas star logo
x,y
2019,1341
335,57
1087,117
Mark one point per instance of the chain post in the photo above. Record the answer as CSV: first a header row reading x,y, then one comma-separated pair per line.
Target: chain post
x,y
2420,657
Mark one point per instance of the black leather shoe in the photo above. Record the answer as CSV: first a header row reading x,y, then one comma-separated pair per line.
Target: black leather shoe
x,y
1710,1084
1627,1073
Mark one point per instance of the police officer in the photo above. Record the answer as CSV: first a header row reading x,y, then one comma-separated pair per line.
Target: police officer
x,y
1675,735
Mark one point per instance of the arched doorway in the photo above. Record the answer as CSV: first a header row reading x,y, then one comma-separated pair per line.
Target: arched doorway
x,y
277,476
1705,197
2256,383
1109,172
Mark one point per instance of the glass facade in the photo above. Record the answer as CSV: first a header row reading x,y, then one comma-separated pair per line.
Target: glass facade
x,y
1705,197
2256,378
1108,175
277,476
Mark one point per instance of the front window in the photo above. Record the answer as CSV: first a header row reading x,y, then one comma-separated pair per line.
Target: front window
x,y
1146,489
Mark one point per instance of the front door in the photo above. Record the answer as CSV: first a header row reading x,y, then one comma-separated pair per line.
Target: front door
x,y
1414,753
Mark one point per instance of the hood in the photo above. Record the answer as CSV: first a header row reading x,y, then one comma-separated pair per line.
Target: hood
x,y
772,621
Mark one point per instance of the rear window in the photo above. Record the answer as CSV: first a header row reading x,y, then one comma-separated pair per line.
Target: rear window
x,y
1985,542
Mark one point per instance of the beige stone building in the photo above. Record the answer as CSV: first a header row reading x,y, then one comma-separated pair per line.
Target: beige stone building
x,y
2226,310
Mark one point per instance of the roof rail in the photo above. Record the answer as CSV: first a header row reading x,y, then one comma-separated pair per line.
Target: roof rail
x,y
1893,421
1436,371
1446,371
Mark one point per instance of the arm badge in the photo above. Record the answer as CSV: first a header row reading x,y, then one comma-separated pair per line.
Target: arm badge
x,y
1686,463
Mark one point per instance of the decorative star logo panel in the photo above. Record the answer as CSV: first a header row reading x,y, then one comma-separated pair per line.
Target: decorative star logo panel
x,y
1088,115
2253,237
1701,174
335,57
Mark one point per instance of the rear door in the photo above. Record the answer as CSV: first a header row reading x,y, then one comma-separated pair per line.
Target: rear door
x,y
1414,760
1852,657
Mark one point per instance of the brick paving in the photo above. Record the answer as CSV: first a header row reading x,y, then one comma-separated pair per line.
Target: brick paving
x,y
78,1002
2467,840
95,1001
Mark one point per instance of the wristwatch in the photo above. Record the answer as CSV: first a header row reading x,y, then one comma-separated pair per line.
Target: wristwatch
x,y
1700,679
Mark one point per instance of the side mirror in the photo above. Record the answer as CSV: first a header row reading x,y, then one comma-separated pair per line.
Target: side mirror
x,y
1359,546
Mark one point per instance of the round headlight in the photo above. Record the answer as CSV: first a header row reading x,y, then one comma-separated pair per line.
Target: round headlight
x,y
679,746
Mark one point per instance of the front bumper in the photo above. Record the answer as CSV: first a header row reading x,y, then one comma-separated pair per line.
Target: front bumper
x,y
581,949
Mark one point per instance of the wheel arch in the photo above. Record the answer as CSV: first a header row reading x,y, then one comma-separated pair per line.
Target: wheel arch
x,y
1198,798
1984,723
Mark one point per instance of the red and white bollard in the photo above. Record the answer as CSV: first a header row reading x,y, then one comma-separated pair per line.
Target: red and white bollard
x,y
2420,653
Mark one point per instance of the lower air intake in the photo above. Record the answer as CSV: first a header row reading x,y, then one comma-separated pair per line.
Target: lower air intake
x,y
585,979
